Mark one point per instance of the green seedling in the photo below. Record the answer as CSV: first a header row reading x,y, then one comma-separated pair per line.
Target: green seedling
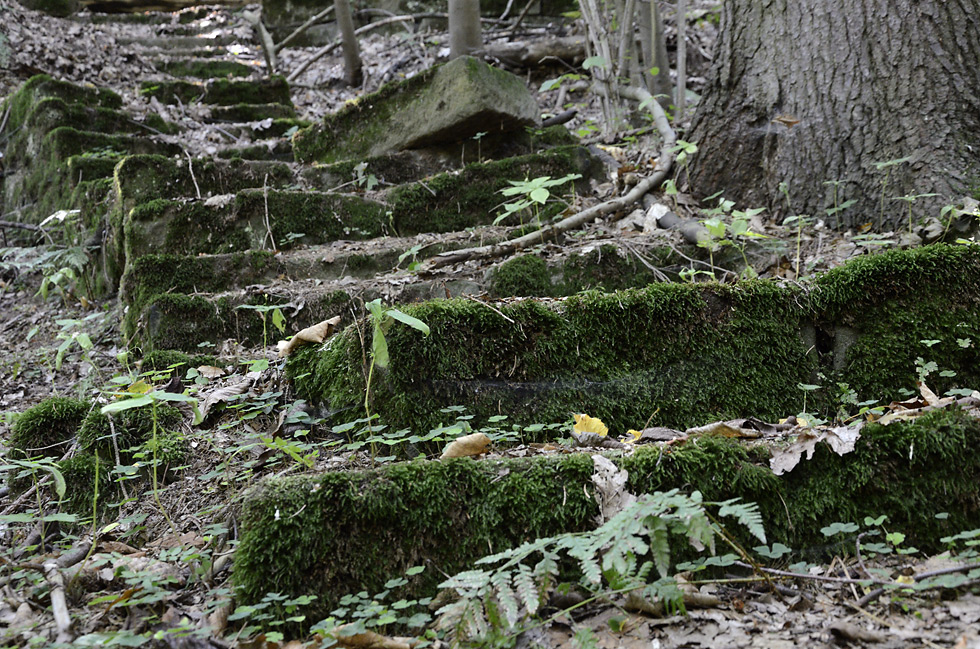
x,y
529,193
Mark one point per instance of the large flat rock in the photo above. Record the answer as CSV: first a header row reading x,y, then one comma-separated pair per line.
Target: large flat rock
x,y
449,103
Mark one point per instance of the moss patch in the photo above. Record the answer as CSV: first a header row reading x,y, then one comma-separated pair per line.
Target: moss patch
x,y
254,112
692,353
205,69
455,201
47,428
338,533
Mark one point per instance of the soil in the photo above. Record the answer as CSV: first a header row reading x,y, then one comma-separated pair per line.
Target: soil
x,y
108,51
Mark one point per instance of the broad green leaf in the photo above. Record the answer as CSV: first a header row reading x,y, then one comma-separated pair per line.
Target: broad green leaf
x,y
414,323
379,347
127,404
594,62
171,396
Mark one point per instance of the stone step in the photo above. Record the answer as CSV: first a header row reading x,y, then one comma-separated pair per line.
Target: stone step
x,y
183,321
222,92
180,42
341,532
689,352
207,68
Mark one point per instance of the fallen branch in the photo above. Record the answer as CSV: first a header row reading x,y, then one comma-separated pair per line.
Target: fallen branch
x,y
550,232
19,226
59,603
299,31
326,49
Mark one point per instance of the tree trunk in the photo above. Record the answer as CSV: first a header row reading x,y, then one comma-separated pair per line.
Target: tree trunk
x,y
353,73
464,27
819,94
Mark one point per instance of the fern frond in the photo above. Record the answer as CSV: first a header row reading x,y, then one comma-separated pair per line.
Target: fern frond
x,y
747,514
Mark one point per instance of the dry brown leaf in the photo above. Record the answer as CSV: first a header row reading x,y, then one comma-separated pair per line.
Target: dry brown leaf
x,y
210,371
841,440
466,446
370,640
224,394
315,334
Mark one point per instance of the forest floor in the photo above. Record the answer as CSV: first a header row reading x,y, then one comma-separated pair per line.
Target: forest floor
x,y
174,560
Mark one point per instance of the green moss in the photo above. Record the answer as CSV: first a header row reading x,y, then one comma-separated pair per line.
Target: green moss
x,y
692,354
338,533
47,428
154,274
256,112
37,87
175,321
274,90
885,305
609,268
160,360
60,8
205,69
130,429
81,474
173,92
525,275
455,201
552,136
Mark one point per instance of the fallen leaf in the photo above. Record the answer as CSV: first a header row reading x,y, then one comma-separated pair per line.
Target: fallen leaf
x,y
210,371
841,440
466,446
587,424
315,334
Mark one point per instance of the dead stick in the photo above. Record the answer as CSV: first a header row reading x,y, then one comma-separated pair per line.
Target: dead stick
x,y
326,49
299,31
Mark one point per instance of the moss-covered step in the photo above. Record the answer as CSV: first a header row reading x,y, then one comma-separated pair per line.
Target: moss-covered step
x,y
337,533
142,179
206,68
183,321
223,92
180,42
51,426
607,267
40,86
153,274
246,220
254,112
471,196
41,183
688,353
447,103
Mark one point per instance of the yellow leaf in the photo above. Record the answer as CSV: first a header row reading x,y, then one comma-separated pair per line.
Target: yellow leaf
x,y
139,387
587,424
635,435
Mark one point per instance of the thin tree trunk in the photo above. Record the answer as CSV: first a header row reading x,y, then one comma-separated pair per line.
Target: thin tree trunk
x,y
353,73
819,95
464,27
654,47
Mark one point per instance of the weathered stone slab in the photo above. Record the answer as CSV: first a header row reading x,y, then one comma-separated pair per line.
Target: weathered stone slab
x,y
451,102
246,220
222,92
690,353
337,533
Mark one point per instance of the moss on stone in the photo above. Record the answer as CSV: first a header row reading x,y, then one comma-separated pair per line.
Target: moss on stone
x,y
610,268
81,473
255,112
59,8
691,353
47,428
205,69
163,360
274,90
172,92
342,532
40,86
446,103
455,201
130,429
522,276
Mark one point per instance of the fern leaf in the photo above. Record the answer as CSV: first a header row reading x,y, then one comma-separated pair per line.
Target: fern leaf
x,y
747,514
659,544
505,597
527,589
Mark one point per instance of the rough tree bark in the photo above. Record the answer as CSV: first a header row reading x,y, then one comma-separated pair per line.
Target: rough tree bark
x,y
815,93
464,27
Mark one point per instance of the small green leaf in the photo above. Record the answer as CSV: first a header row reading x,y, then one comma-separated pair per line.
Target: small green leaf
x,y
594,62
414,323
127,404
